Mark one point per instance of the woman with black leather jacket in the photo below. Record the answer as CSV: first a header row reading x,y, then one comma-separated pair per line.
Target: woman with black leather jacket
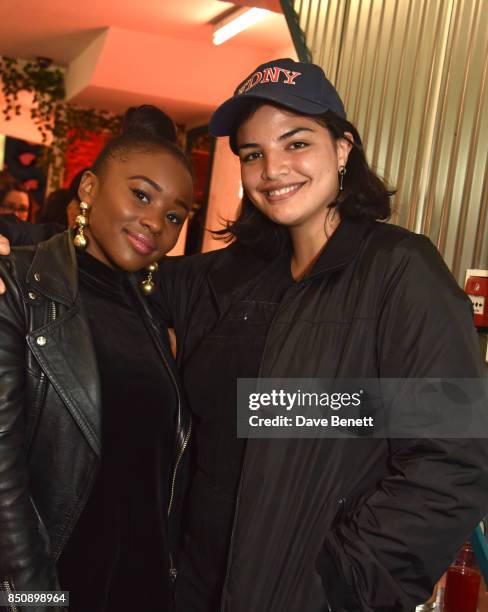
x,y
92,426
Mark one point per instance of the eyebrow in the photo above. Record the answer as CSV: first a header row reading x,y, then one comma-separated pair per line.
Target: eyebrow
x,y
148,180
251,145
178,201
183,204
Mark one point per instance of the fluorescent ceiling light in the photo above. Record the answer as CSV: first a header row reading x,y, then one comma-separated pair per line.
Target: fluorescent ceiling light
x,y
237,23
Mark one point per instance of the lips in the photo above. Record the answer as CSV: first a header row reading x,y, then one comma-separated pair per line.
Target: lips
x,y
143,245
282,192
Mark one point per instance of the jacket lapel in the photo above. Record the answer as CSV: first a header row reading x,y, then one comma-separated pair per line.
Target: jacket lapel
x,y
63,347
64,350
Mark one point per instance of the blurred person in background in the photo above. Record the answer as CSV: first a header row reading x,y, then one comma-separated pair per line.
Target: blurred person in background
x,y
63,205
14,198
56,208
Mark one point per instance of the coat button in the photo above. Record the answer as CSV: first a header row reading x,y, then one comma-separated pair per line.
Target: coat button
x,y
32,295
37,276
41,340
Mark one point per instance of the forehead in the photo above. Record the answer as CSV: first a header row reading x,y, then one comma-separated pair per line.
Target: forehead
x,y
153,164
272,122
17,196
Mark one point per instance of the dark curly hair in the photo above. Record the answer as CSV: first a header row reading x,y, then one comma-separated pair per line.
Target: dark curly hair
x,y
364,196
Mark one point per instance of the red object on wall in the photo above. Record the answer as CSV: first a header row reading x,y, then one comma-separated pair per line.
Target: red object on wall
x,y
82,152
462,582
477,290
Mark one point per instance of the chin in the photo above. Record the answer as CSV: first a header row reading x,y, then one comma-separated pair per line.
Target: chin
x,y
286,218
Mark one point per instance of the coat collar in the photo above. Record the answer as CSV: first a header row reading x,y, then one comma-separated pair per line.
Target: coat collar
x,y
342,247
53,271
242,266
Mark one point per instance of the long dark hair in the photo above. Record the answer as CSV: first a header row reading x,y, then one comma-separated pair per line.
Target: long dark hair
x,y
364,197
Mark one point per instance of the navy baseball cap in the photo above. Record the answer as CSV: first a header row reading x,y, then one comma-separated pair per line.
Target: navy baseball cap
x,y
299,86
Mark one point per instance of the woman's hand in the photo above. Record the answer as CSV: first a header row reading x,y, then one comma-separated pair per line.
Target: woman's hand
x,y
4,250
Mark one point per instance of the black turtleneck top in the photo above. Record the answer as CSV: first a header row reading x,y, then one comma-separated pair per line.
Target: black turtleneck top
x,y
117,557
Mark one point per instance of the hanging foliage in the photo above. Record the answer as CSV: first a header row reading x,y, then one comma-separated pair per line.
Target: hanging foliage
x,y
75,123
40,78
49,111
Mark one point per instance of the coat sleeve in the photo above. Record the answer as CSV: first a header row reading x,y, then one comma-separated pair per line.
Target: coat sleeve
x,y
25,233
168,297
178,287
389,550
24,556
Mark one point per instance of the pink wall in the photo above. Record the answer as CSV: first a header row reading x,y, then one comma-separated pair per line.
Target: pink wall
x,y
223,200
20,126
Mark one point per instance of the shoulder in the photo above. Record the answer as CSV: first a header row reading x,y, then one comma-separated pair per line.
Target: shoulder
x,y
406,261
398,240
184,268
53,257
25,233
197,262
396,246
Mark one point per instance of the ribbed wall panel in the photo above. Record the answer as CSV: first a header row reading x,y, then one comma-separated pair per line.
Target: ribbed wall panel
x,y
413,76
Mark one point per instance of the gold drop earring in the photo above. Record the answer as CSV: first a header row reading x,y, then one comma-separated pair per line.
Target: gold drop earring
x,y
147,285
80,240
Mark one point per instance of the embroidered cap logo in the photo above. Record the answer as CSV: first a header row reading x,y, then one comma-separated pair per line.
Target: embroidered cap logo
x,y
269,75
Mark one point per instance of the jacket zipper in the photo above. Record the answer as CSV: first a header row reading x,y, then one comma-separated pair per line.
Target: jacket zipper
x,y
9,591
175,469
173,572
236,511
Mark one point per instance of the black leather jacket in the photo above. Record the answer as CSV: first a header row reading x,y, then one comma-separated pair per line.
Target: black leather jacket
x,y
50,411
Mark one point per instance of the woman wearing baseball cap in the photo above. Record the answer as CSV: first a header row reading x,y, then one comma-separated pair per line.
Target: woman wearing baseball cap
x,y
315,286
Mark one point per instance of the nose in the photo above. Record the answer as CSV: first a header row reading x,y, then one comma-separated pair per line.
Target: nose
x,y
275,166
153,221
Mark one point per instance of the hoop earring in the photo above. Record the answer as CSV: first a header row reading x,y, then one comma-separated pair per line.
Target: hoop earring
x,y
147,285
342,172
80,240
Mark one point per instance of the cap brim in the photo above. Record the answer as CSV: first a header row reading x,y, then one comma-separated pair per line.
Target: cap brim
x,y
223,120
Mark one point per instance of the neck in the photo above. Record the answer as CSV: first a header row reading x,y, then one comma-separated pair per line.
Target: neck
x,y
308,243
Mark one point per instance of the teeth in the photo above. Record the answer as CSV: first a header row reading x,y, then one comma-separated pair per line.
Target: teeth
x,y
283,190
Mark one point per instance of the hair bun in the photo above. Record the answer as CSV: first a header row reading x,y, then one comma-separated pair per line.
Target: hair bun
x,y
149,122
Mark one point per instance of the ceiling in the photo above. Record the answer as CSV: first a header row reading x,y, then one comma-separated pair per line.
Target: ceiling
x,y
119,52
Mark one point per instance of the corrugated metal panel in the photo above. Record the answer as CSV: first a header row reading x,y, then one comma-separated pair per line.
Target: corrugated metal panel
x,y
413,76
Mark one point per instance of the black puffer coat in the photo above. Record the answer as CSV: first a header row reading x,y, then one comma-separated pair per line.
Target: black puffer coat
x,y
344,524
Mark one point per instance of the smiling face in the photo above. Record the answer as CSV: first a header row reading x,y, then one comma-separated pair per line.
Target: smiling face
x,y
289,166
137,206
